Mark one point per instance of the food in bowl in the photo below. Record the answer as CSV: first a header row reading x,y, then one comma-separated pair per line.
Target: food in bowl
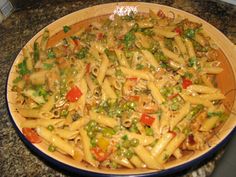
x,y
133,91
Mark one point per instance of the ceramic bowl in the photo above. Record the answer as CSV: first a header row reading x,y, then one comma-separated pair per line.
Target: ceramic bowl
x,y
225,80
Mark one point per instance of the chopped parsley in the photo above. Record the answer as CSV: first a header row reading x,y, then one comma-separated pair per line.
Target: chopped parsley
x,y
139,66
189,33
66,29
129,39
23,68
47,66
82,53
51,54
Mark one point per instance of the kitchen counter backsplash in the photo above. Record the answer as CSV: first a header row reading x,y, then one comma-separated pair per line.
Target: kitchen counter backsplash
x,y
15,158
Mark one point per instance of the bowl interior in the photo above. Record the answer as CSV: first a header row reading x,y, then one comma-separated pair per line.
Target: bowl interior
x,y
225,80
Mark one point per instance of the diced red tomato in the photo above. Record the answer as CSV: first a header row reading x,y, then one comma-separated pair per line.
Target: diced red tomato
x,y
191,139
132,78
100,36
121,37
147,120
178,30
186,83
31,135
173,133
161,14
121,46
133,98
76,41
99,154
173,96
74,94
88,68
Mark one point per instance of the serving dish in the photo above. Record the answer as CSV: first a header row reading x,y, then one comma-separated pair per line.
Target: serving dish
x,y
227,84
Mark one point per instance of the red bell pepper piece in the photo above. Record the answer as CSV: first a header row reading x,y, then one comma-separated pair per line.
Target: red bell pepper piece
x,y
161,14
99,154
147,120
186,83
74,94
173,96
31,135
133,98
132,78
178,30
88,68
173,133
100,36
191,139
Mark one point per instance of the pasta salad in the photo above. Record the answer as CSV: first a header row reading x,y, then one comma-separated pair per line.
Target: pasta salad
x,y
135,91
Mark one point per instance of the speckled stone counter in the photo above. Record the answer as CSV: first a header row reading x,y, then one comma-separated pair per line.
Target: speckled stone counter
x,y
15,158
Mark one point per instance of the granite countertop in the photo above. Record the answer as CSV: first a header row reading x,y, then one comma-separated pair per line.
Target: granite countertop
x,y
15,158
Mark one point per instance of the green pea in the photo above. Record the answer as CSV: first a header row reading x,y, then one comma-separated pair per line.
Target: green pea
x,y
118,128
113,165
149,131
98,128
133,128
14,88
74,72
57,96
123,151
50,127
135,120
51,148
92,123
93,141
132,105
64,113
174,106
90,134
126,144
134,142
108,132
129,154
86,127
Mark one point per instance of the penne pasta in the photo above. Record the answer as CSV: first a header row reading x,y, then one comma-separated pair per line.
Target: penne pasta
x,y
156,93
121,57
180,115
101,119
170,148
209,123
147,158
76,125
43,123
102,69
202,89
137,73
108,90
197,100
56,140
161,144
190,48
150,58
172,56
86,148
